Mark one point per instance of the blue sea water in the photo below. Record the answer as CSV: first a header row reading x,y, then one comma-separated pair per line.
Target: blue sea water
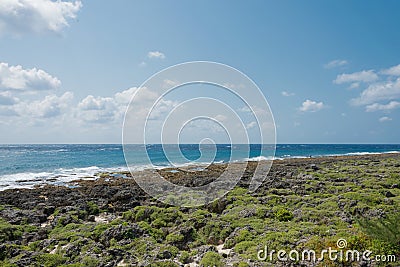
x,y
27,165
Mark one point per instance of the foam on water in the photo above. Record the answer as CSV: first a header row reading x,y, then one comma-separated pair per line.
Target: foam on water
x,y
24,166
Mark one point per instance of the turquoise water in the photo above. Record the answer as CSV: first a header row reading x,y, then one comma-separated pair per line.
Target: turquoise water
x,y
26,165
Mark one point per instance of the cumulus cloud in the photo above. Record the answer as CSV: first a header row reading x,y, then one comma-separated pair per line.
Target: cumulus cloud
x,y
251,125
393,71
381,91
354,85
383,119
336,63
361,76
311,106
23,16
50,106
7,111
244,109
18,78
125,96
221,118
284,93
6,99
156,54
170,83
107,109
382,107
97,109
95,103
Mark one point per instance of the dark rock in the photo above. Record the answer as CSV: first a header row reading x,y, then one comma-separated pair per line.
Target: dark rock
x,y
218,206
206,248
353,203
41,234
314,167
120,232
43,245
63,220
26,258
346,218
375,213
389,194
247,213
23,216
91,218
165,254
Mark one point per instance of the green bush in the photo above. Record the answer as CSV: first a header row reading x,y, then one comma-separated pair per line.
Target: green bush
x,y
93,208
386,230
283,215
156,233
243,235
174,238
9,232
185,257
211,259
164,264
50,260
90,262
244,246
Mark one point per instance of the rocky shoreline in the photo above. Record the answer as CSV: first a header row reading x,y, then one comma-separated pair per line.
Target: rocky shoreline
x,y
110,221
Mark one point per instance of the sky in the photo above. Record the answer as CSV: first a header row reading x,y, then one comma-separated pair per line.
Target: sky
x,y
330,70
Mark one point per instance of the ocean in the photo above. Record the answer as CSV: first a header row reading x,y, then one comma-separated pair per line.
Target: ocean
x,y
23,166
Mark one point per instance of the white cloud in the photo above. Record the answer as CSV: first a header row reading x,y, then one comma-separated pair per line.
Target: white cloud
x,y
361,76
244,109
311,106
161,109
221,118
251,125
284,93
7,111
107,109
354,85
336,63
23,16
388,90
50,106
170,83
376,106
232,86
393,71
204,125
17,78
98,109
6,99
95,103
380,88
383,119
124,97
155,54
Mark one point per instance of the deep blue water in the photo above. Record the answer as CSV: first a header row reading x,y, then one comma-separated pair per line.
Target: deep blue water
x,y
25,165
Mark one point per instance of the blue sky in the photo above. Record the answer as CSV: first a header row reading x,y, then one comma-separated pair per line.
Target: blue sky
x,y
330,71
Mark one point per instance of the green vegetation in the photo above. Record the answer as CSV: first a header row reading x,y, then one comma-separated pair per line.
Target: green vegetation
x,y
211,259
301,208
386,230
